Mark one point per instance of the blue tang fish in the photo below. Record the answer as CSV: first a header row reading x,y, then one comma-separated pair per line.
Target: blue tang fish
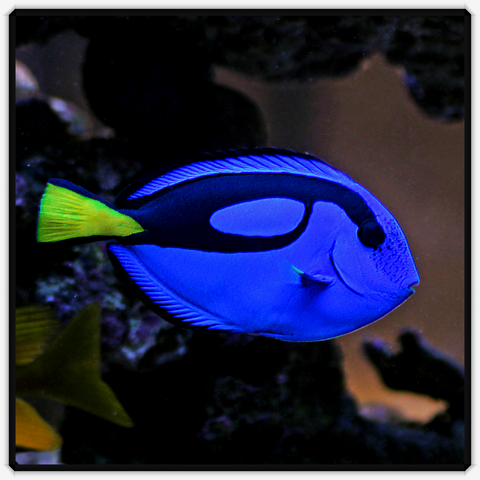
x,y
261,241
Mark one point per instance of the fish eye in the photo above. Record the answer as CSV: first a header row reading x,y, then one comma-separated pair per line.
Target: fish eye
x,y
371,234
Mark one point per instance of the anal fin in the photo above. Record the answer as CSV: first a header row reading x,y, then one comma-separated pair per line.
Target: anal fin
x,y
159,296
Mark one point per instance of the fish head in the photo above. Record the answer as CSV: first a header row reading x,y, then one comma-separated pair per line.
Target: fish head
x,y
357,275
374,261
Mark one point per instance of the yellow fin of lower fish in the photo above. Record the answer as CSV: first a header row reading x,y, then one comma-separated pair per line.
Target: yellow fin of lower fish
x,y
69,371
65,214
31,431
35,327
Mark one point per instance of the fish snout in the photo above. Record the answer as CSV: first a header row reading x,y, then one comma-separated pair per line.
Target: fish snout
x,y
414,284
413,281
408,284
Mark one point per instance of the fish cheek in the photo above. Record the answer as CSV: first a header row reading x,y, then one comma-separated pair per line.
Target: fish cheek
x,y
362,269
354,264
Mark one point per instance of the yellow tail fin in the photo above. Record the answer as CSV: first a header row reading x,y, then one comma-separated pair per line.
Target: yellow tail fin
x,y
66,214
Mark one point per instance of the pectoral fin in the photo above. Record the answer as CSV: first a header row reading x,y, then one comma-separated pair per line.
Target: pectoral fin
x,y
318,281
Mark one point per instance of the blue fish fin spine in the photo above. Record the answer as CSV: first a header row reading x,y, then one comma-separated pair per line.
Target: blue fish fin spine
x,y
314,281
69,212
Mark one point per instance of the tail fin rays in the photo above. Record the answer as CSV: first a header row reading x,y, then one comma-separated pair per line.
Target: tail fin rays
x,y
65,214
35,327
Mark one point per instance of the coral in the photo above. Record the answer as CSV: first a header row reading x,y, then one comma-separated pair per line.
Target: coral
x,y
39,458
240,400
432,51
420,368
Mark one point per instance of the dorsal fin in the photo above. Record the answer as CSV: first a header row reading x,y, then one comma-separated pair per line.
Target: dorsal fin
x,y
258,160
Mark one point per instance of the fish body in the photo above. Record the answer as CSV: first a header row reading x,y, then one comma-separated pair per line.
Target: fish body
x,y
264,241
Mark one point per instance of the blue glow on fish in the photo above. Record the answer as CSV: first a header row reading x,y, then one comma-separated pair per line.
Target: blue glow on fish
x,y
263,241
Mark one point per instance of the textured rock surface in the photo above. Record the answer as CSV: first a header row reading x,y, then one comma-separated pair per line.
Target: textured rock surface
x,y
252,401
431,49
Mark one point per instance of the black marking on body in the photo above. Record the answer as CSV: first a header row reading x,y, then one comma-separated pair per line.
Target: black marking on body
x,y
179,216
123,202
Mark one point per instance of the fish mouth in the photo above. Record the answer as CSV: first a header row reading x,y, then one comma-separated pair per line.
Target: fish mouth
x,y
339,275
411,289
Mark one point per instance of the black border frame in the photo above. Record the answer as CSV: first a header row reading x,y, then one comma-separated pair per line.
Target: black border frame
x,y
468,238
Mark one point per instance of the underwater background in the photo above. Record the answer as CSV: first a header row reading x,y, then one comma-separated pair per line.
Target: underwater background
x,y
102,99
